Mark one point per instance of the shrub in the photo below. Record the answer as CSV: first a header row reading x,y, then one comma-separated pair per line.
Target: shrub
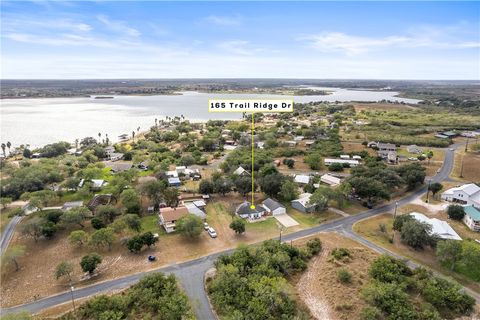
x,y
455,212
344,276
370,313
341,253
314,246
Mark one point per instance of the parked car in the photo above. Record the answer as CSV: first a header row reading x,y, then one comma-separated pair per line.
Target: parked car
x,y
211,232
152,258
206,226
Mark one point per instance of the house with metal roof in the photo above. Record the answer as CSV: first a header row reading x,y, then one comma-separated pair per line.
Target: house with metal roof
x,y
440,228
472,218
303,203
468,194
274,207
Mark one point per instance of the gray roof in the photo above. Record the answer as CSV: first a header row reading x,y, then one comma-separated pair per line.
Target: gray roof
x,y
244,208
272,204
72,204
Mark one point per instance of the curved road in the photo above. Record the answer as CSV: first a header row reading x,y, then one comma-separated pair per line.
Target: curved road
x,y
7,234
191,273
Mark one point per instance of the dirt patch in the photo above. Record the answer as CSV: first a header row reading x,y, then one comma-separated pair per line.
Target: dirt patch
x,y
321,291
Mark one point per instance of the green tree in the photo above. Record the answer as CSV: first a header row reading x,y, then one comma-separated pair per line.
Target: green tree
x,y
78,237
171,197
416,234
107,213
435,188
369,188
102,238
130,200
243,185
205,187
449,252
222,186
344,275
335,167
135,244
4,201
190,226
32,228
455,212
12,254
400,220
149,239
289,190
48,229
90,262
314,160
75,216
238,225
154,190
271,184
64,269
98,223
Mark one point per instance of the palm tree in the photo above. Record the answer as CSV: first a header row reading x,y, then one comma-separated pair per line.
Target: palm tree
x,y
76,143
3,149
156,122
133,136
99,136
138,129
107,141
8,146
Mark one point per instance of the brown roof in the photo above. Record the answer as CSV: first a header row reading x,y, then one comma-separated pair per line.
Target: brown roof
x,y
173,214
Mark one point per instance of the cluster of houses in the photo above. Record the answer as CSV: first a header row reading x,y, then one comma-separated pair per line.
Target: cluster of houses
x,y
467,195
386,151
175,177
168,216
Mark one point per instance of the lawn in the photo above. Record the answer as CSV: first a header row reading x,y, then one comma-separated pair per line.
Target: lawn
x,y
150,223
370,229
307,220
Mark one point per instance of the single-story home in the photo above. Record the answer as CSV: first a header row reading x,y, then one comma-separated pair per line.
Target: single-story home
x,y
302,203
174,182
97,184
352,163
440,228
291,143
274,207
241,172
298,138
302,179
468,194
441,136
386,146
169,216
472,218
344,156
119,166
71,204
330,180
180,169
246,212
357,157
414,149
171,174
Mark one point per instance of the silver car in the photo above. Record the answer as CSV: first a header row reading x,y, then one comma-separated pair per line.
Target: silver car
x,y
211,232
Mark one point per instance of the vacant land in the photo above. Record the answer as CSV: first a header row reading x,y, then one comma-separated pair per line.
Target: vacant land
x,y
319,287
470,171
370,229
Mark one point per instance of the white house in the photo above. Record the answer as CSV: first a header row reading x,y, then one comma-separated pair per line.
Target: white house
x,y
273,207
330,180
352,163
472,218
97,184
302,179
169,216
440,228
246,212
241,172
302,203
468,194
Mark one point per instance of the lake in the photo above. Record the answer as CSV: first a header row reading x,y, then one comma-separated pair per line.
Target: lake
x,y
45,120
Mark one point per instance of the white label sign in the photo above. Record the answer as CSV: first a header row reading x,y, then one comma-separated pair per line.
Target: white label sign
x,y
250,105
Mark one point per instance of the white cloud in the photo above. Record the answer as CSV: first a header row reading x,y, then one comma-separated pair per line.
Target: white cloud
x,y
239,47
224,20
118,26
423,37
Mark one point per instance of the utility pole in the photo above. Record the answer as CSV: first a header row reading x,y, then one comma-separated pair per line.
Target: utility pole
x,y
73,300
394,217
428,189
461,167
466,144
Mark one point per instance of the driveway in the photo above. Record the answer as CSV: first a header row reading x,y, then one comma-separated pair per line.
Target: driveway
x,y
286,220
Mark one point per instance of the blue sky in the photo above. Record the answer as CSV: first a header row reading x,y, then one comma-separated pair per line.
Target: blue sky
x,y
363,40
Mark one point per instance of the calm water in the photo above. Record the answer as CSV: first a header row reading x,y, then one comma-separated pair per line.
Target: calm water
x,y
41,121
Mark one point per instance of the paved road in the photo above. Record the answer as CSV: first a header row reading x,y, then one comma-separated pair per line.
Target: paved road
x,y
7,234
191,273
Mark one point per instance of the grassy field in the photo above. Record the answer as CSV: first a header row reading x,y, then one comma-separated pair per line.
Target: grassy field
x,y
370,229
471,171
